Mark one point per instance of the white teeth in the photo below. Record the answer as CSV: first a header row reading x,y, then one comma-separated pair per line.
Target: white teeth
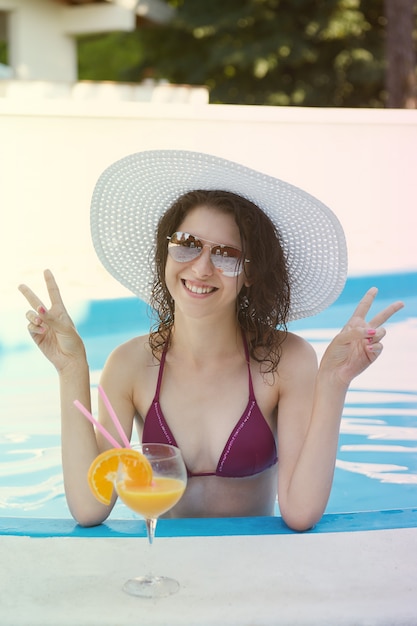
x,y
199,290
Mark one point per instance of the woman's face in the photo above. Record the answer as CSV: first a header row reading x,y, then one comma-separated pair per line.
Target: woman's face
x,y
197,286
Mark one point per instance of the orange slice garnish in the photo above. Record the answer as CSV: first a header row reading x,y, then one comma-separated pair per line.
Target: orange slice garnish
x,y
103,470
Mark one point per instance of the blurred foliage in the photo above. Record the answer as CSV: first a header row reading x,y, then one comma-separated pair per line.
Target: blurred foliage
x,y
273,52
109,57
3,52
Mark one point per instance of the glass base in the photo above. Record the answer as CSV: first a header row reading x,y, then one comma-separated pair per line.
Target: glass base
x,y
151,586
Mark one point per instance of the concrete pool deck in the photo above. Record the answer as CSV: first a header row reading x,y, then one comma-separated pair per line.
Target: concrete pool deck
x,y
320,578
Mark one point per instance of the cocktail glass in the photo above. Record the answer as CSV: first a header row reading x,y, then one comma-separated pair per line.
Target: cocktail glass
x,y
168,484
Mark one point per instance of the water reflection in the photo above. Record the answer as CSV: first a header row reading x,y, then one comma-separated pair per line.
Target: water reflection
x,y
378,435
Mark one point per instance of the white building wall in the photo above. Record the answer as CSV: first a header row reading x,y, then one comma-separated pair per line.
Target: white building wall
x,y
361,163
37,48
41,35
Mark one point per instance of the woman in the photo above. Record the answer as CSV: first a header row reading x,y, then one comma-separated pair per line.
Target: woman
x,y
238,254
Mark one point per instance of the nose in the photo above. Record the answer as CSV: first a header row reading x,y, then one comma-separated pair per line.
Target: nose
x,y
202,266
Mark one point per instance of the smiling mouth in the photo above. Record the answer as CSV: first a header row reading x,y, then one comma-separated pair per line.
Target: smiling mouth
x,y
198,289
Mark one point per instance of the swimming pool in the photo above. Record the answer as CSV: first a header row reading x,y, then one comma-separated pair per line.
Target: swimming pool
x,y
377,458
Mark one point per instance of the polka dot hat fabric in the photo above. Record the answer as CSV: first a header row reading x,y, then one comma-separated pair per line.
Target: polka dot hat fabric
x,y
132,194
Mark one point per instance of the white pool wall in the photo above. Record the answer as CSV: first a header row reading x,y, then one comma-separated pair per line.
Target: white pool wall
x,y
360,162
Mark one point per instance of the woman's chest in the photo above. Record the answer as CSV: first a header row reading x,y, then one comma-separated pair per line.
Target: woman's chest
x,y
206,411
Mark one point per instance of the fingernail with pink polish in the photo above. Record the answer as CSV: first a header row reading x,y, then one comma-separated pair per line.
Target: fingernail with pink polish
x,y
41,310
371,332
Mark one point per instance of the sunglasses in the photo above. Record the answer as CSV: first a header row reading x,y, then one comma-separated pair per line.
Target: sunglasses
x,y
184,248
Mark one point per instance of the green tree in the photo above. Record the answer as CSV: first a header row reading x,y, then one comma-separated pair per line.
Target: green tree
x,y
273,52
109,57
288,52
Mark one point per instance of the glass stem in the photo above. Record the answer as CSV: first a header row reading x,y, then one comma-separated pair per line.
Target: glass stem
x,y
150,527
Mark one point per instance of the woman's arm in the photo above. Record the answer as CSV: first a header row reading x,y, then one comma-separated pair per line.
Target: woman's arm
x,y
310,410
55,334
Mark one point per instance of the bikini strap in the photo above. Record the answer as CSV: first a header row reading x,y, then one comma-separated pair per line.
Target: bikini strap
x,y
247,355
160,373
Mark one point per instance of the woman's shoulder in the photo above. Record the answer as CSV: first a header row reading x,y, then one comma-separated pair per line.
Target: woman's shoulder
x,y
135,352
296,341
297,352
289,344
289,352
132,369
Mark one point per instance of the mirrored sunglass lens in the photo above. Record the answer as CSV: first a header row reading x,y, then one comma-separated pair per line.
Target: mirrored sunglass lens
x,y
184,247
182,253
186,240
227,259
230,266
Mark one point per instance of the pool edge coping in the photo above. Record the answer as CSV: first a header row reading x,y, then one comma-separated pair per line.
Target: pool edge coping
x,y
390,519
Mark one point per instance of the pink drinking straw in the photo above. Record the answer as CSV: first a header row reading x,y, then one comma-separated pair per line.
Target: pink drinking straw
x,y
99,426
114,417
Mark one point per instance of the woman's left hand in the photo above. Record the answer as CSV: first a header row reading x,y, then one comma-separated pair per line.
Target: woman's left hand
x,y
359,342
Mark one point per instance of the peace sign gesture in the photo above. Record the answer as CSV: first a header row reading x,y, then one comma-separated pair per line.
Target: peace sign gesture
x,y
359,342
52,330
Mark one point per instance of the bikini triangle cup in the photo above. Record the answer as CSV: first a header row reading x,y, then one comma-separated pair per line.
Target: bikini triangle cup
x,y
250,448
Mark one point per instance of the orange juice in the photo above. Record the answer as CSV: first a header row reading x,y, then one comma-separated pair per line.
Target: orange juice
x,y
152,500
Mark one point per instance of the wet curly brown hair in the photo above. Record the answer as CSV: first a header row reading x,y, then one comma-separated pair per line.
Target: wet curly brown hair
x,y
262,307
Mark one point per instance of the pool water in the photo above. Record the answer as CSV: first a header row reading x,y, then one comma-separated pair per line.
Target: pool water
x,y
377,458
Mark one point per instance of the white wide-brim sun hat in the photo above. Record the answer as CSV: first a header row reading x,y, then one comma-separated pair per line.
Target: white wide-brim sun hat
x,y
133,193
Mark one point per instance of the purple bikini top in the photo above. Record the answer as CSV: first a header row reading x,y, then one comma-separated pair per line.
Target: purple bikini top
x,y
250,449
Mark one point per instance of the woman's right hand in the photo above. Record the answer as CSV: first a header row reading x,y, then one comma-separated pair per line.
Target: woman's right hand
x,y
53,330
